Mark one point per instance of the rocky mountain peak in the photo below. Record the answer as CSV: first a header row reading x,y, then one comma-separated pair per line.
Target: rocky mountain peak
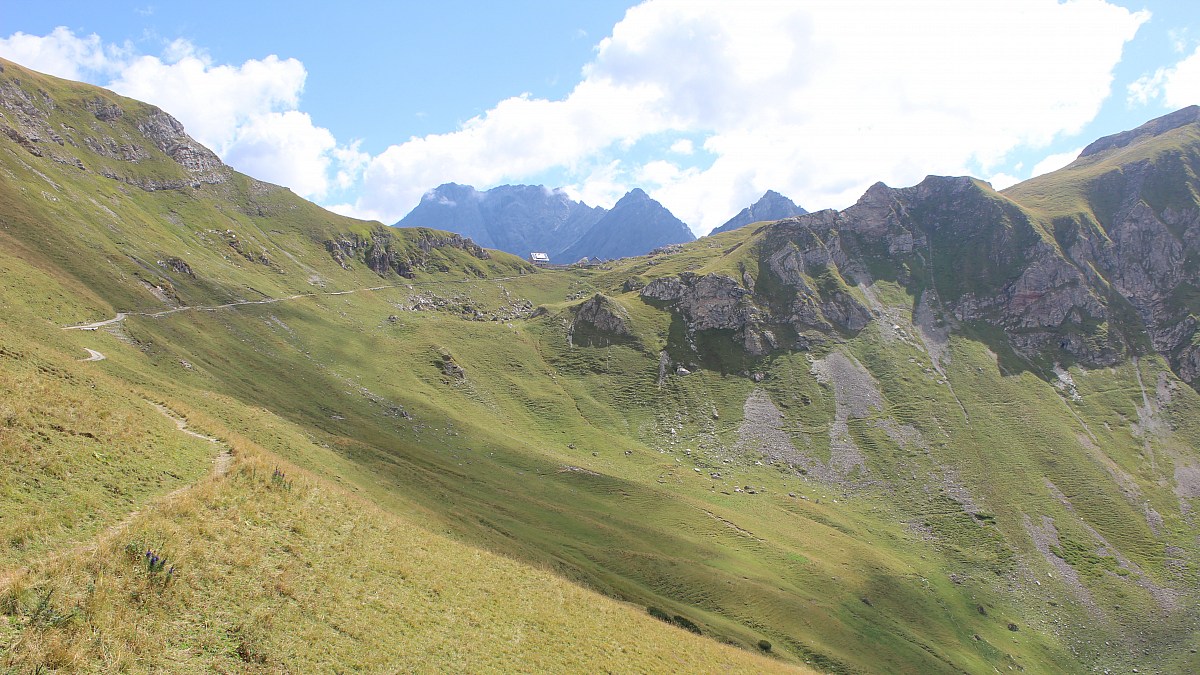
x,y
771,206
634,196
637,224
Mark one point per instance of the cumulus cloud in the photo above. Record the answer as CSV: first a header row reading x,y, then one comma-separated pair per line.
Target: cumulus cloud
x,y
1002,180
683,146
214,101
816,99
245,113
62,53
1176,86
1055,162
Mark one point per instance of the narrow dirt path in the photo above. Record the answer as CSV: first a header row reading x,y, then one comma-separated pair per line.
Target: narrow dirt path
x,y
121,316
220,466
94,355
99,324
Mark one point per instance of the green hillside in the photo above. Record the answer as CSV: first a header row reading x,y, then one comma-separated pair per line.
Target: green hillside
x,y
816,435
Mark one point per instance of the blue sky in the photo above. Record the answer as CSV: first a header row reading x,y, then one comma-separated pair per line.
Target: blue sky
x,y
362,107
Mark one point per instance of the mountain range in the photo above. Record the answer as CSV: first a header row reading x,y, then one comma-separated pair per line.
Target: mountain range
x,y
947,429
521,219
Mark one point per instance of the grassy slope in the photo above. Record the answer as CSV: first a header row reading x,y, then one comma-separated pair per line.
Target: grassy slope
x,y
296,574
573,459
83,449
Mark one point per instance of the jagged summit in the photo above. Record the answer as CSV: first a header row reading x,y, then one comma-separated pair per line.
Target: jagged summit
x,y
513,218
520,219
637,224
771,206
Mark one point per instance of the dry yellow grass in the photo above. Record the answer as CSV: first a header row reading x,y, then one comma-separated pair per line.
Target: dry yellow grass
x,y
292,574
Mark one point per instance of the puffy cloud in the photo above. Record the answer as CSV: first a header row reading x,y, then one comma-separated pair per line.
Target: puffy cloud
x,y
213,102
1055,162
245,113
1002,180
1177,86
62,53
600,185
519,137
287,147
816,99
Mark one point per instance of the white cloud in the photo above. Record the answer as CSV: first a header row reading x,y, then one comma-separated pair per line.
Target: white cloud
x,y
1003,180
213,102
288,148
817,100
245,113
1178,37
1054,162
683,146
1177,86
600,185
62,53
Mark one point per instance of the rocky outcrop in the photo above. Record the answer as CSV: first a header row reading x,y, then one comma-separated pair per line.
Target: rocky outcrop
x,y
712,301
168,135
124,131
382,251
602,315
715,302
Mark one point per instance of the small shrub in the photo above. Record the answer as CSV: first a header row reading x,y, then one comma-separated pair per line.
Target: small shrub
x,y
44,614
659,614
685,623
764,645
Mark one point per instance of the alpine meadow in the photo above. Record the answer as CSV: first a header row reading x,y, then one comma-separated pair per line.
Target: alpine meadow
x,y
948,429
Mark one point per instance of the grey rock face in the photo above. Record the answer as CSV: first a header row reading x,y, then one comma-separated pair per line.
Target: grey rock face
x,y
636,225
379,255
601,314
522,219
117,134
714,302
771,206
518,219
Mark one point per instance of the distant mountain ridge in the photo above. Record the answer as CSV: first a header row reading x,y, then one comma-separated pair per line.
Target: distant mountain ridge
x,y
513,218
636,225
521,219
771,206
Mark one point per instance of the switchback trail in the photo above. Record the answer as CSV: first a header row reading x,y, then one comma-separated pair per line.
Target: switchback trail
x,y
93,355
266,301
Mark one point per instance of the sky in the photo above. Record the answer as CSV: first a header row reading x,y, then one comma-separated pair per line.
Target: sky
x,y
364,107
